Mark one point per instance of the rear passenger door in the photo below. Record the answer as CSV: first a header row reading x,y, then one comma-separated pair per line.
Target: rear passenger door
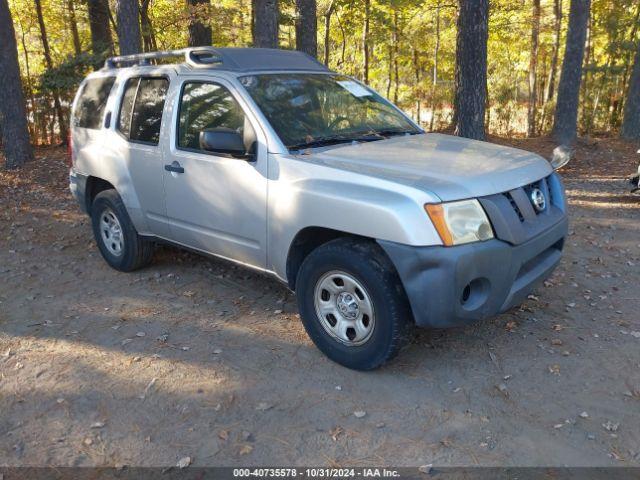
x,y
139,122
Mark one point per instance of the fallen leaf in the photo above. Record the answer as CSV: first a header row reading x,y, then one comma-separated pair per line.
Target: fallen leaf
x,y
555,369
246,449
359,413
184,462
146,390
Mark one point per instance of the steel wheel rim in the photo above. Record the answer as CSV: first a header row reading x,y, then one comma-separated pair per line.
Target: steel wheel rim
x,y
111,232
344,308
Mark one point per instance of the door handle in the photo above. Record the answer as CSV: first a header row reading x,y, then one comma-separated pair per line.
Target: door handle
x,y
174,167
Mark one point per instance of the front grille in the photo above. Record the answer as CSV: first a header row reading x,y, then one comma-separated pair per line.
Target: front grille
x,y
513,215
514,205
543,186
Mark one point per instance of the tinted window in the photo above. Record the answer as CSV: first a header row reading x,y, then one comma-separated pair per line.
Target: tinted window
x,y
91,104
124,121
204,106
141,111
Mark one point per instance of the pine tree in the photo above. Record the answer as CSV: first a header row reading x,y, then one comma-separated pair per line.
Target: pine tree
x,y
13,118
471,68
565,125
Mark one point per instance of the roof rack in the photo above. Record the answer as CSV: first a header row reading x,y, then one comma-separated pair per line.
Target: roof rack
x,y
227,58
196,57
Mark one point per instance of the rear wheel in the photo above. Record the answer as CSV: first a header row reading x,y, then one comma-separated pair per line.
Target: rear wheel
x,y
118,241
352,303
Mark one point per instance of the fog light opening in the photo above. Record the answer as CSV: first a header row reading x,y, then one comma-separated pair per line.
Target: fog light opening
x,y
475,294
466,293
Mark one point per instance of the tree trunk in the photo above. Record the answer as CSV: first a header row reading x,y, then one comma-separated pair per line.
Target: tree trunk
x,y
148,36
77,46
389,71
307,27
101,41
62,124
15,133
471,68
265,23
416,73
631,120
533,67
434,73
365,41
566,115
553,69
584,120
33,126
199,31
327,31
128,15
396,42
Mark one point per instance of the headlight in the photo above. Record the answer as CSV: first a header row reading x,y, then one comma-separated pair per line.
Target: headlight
x,y
460,222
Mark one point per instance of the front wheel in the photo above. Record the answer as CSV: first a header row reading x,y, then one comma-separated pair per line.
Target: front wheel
x,y
352,303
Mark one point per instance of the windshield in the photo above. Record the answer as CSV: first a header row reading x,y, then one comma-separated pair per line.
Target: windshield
x,y
308,110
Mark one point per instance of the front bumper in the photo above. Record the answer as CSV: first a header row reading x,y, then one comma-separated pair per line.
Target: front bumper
x,y
452,286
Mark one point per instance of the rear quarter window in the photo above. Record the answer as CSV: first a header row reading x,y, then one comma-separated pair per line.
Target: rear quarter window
x,y
141,109
92,102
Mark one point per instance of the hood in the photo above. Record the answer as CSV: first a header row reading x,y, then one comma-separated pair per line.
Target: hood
x,y
451,167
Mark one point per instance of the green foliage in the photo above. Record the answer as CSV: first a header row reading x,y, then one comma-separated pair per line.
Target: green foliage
x,y
68,74
404,37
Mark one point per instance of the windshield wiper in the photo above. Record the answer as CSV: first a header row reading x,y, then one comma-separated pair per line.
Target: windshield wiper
x,y
334,140
390,132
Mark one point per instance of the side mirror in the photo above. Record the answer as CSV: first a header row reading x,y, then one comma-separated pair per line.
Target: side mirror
x,y
223,140
561,156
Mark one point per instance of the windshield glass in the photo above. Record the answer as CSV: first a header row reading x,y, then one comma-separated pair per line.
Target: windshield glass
x,y
308,110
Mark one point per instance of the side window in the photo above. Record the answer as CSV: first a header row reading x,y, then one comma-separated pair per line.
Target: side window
x,y
204,106
124,120
141,110
92,102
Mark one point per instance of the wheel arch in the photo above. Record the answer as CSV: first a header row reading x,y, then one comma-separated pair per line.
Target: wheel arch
x,y
94,186
310,238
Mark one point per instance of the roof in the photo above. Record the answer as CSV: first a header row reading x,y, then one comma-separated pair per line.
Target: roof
x,y
229,59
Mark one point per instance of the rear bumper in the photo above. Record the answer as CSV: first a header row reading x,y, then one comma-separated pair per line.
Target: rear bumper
x,y
451,286
78,187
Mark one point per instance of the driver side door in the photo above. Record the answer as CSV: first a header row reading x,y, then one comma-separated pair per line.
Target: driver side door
x,y
216,203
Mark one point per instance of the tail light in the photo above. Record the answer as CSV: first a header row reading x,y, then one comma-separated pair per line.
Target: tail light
x,y
69,150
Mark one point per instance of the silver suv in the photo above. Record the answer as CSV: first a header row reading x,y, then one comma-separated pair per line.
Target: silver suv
x,y
269,159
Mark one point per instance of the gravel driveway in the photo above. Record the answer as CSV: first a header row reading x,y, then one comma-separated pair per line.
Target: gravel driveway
x,y
197,358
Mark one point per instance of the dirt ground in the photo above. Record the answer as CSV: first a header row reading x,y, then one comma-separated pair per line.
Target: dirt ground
x,y
198,358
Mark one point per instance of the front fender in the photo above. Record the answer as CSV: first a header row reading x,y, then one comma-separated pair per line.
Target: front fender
x,y
379,210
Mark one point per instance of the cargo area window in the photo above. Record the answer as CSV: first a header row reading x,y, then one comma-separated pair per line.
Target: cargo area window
x,y
92,102
141,110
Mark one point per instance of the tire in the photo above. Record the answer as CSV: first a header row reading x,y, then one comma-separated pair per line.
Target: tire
x,y
127,251
369,278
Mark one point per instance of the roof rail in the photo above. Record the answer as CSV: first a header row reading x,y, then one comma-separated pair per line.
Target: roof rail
x,y
196,57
